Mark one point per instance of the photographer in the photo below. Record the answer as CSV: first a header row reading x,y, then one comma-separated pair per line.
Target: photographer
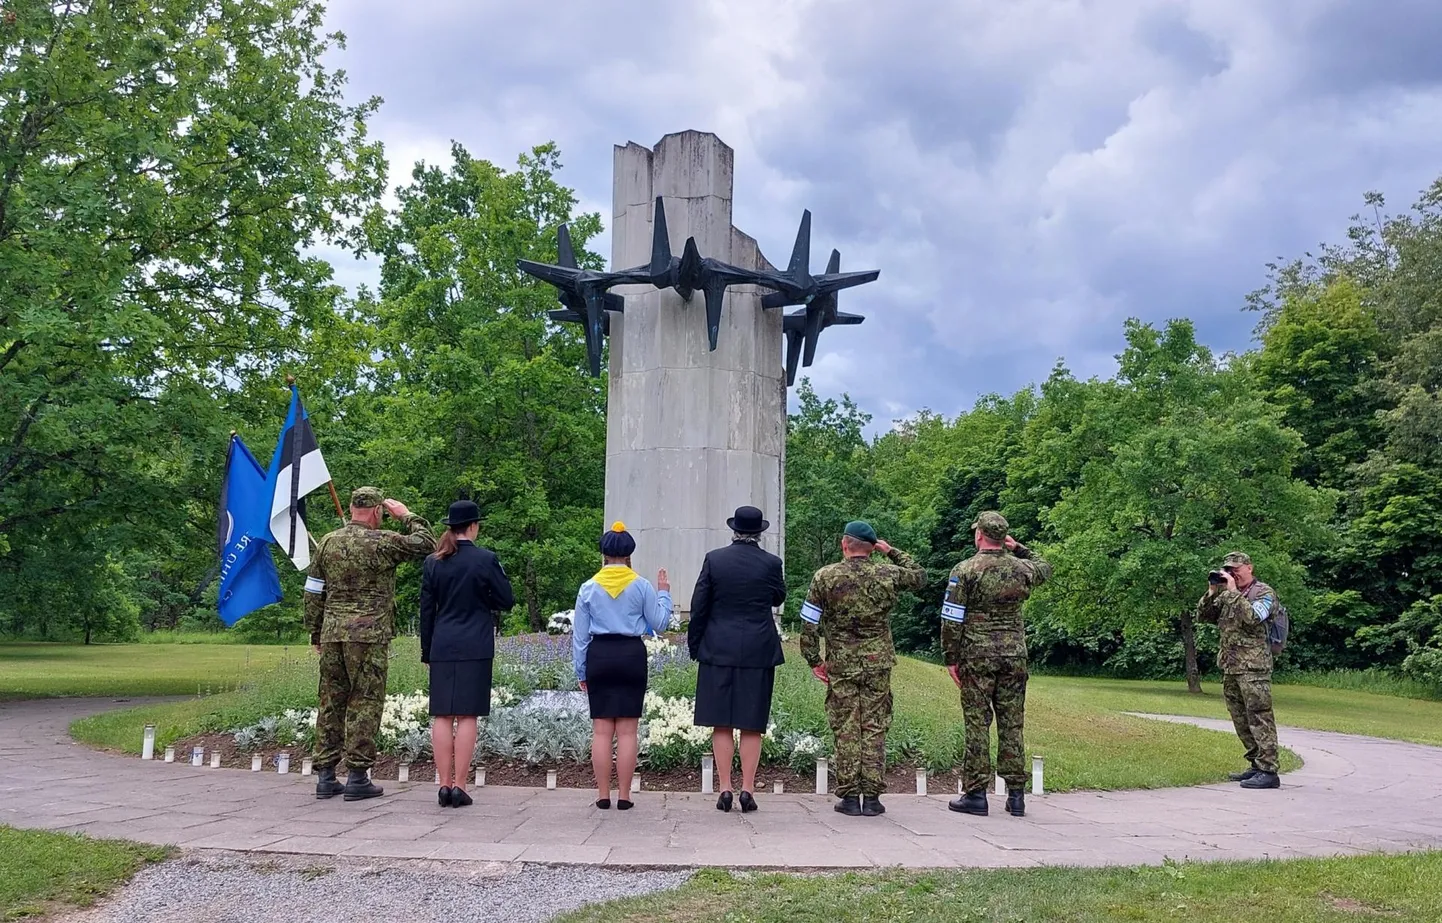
x,y
1239,605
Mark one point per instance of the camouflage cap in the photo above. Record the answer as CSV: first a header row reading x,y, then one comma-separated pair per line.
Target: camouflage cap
x,y
992,524
861,531
364,498
1235,558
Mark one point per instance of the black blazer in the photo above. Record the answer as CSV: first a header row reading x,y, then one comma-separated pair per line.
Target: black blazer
x,y
459,599
731,621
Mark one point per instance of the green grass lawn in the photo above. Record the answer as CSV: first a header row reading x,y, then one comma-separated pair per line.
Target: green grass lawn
x,y
1394,888
42,871
36,669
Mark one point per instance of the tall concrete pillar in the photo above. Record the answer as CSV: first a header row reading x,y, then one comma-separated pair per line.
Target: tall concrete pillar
x,y
691,434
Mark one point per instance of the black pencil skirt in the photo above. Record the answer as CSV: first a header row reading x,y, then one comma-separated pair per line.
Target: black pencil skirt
x,y
616,676
460,687
734,697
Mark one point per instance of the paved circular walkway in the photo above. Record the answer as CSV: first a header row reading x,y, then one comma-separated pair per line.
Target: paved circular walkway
x,y
1355,794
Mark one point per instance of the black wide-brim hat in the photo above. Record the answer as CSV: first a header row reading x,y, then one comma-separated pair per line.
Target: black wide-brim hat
x,y
462,513
747,521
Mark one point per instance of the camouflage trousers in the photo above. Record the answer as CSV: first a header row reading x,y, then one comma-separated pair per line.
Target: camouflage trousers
x,y
352,696
994,686
858,708
1249,701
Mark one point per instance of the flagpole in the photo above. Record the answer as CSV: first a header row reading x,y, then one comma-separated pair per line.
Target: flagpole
x,y
336,498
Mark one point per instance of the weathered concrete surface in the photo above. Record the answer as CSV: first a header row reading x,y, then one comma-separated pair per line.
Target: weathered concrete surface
x,y
692,434
1354,795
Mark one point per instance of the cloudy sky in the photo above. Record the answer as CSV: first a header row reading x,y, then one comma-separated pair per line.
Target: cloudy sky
x,y
1026,174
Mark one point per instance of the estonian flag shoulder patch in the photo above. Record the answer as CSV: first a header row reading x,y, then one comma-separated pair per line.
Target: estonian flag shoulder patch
x,y
953,613
314,585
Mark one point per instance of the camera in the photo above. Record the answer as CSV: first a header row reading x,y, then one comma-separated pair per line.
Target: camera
x,y
1216,577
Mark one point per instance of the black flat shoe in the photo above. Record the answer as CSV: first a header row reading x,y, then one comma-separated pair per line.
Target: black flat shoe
x,y
622,805
460,799
603,803
444,796
724,803
748,804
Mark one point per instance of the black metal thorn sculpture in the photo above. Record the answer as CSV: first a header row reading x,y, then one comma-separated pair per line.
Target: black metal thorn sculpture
x,y
587,299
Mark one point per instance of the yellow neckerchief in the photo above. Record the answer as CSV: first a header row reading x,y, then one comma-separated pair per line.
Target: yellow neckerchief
x,y
614,578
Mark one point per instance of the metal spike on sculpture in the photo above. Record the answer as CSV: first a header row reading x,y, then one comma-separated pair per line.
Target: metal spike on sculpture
x,y
587,297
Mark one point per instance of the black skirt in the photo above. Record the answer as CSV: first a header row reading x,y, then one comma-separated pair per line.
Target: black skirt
x,y
616,676
734,697
460,687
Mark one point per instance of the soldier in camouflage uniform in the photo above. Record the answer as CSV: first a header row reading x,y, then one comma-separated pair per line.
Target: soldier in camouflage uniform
x,y
984,640
350,614
849,606
1240,608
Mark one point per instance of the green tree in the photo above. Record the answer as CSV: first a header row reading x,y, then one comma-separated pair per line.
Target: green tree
x,y
1197,465
164,167
474,389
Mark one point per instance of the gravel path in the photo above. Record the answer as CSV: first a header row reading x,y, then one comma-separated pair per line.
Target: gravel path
x,y
217,887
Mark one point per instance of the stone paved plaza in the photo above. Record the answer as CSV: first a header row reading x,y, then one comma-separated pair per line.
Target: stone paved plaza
x,y
1354,795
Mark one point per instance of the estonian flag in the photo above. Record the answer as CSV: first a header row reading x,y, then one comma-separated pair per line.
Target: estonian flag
x,y
248,579
295,470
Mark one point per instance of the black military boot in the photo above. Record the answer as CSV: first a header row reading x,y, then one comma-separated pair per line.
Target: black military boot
x,y
359,786
871,805
326,784
1016,802
850,806
1263,780
970,803
1243,776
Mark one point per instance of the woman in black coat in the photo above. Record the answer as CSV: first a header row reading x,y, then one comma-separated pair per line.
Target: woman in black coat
x,y
463,587
733,636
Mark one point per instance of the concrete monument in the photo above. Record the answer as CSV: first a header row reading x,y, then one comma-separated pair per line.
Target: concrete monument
x,y
696,423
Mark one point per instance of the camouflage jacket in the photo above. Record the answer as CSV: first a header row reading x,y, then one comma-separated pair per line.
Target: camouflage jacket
x,y
1241,619
849,605
981,614
350,588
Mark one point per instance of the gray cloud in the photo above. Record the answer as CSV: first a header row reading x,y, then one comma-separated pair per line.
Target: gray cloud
x,y
1026,175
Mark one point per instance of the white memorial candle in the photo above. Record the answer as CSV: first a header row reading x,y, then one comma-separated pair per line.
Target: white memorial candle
x,y
197,756
255,762
921,781
1000,785
214,759
147,747
282,764
550,778
1037,786
404,773
635,784
170,754
307,766
821,770
480,778
778,788
708,777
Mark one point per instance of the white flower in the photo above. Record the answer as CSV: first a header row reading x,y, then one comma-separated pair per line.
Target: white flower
x,y
655,644
501,696
560,622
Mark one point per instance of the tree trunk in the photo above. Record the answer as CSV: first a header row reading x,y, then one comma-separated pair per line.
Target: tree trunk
x,y
87,631
533,597
1189,647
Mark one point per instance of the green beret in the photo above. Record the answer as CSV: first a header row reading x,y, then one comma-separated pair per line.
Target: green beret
x,y
364,498
993,525
861,531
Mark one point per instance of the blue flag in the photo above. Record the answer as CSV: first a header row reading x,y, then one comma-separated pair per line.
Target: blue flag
x,y
248,579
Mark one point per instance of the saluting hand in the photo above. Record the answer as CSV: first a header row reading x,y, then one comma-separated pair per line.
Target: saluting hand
x,y
1010,543
661,582
396,508
883,547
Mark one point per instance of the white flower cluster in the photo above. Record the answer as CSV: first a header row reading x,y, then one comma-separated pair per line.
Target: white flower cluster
x,y
502,696
655,644
302,717
669,721
560,622
403,715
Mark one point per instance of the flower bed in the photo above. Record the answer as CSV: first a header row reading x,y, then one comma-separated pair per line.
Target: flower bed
x,y
533,722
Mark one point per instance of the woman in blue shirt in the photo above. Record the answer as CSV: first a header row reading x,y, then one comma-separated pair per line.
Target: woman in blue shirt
x,y
614,610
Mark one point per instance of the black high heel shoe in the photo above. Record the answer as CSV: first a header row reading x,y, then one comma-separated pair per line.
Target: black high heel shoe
x,y
724,802
444,796
748,804
459,798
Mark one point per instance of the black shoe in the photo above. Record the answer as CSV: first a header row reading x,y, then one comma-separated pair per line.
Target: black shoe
x,y
724,802
871,806
1016,803
326,785
850,806
970,803
748,804
358,786
1263,780
624,805
444,796
459,798
603,803
1243,776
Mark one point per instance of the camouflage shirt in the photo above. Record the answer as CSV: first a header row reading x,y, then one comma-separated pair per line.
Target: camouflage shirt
x,y
1241,618
350,588
981,614
849,604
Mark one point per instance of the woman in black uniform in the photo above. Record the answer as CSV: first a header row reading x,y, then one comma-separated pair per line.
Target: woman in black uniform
x,y
463,587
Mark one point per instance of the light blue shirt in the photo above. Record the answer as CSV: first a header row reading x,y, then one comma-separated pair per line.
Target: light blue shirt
x,y
639,610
